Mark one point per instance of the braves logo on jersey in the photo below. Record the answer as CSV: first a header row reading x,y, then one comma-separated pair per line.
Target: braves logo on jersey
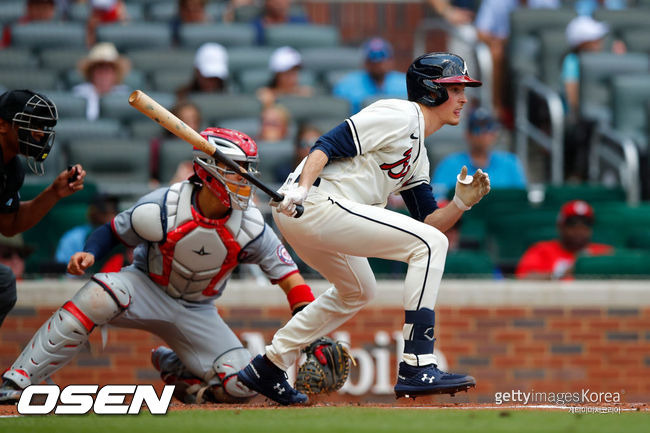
x,y
403,165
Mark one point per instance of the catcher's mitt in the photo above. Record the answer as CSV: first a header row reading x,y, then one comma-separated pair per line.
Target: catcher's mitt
x,y
326,368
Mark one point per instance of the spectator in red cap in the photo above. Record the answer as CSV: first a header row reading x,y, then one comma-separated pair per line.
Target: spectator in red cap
x,y
555,259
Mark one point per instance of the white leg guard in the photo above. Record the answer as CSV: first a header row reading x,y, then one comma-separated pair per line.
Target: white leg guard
x,y
65,333
220,385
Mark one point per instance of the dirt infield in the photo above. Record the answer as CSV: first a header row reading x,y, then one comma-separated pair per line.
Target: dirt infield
x,y
419,403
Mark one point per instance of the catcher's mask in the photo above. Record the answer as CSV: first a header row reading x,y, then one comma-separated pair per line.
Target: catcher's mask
x,y
34,116
230,188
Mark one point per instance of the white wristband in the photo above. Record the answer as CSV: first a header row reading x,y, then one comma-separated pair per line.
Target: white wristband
x,y
462,206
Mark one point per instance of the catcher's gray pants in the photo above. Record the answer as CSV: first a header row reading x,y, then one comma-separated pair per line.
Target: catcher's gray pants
x,y
7,291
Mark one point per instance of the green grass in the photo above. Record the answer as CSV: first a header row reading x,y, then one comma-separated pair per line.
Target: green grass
x,y
335,420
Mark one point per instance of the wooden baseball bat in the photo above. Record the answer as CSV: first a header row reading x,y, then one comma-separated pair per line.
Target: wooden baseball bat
x,y
152,109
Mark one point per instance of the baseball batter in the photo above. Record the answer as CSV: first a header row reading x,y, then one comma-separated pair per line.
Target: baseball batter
x,y
344,185
189,239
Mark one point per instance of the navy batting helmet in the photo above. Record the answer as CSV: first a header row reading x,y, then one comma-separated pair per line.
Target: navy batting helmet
x,y
427,74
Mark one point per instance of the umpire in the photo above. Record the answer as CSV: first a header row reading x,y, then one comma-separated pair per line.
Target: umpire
x,y
27,121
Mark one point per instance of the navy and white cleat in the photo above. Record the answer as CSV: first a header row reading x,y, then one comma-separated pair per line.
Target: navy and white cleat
x,y
414,381
270,381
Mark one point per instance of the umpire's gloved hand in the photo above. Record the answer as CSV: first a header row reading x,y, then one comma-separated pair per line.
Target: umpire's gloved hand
x,y
293,195
470,189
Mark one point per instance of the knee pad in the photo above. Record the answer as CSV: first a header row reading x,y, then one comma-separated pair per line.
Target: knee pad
x,y
226,366
102,298
421,335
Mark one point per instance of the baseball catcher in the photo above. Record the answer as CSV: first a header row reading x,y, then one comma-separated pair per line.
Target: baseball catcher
x,y
326,368
188,239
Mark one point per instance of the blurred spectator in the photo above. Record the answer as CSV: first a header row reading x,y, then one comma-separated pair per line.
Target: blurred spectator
x,y
460,15
275,122
493,25
305,138
103,12
583,34
555,259
275,12
210,71
587,7
189,113
377,79
104,70
504,168
35,10
285,64
189,11
102,209
13,253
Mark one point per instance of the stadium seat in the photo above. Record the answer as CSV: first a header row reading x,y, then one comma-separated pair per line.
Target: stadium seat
x,y
248,58
622,20
145,129
38,36
117,106
622,264
314,107
324,59
554,47
11,11
276,160
630,93
170,80
251,80
194,35
17,58
639,238
215,107
596,69
165,11
445,141
61,59
468,264
162,59
68,105
117,166
556,195
70,129
135,35
248,125
172,152
302,35
637,40
28,78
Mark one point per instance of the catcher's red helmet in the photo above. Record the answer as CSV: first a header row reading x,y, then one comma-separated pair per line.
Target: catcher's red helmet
x,y
233,191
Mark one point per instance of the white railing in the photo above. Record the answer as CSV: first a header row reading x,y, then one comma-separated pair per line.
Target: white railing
x,y
526,132
617,151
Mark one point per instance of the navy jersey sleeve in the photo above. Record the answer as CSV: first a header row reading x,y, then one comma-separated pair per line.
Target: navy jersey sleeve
x,y
420,201
337,143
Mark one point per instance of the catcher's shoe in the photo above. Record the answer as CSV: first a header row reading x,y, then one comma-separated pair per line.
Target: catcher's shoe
x,y
9,392
413,381
188,388
270,381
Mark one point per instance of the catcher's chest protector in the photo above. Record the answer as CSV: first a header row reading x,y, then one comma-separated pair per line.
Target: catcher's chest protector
x,y
198,254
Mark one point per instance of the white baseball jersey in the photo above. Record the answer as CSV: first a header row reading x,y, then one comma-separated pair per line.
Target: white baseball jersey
x,y
376,152
390,154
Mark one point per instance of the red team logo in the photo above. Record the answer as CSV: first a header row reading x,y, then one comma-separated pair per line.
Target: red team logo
x,y
404,163
284,255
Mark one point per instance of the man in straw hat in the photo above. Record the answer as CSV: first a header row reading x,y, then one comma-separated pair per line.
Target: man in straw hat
x,y
104,70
